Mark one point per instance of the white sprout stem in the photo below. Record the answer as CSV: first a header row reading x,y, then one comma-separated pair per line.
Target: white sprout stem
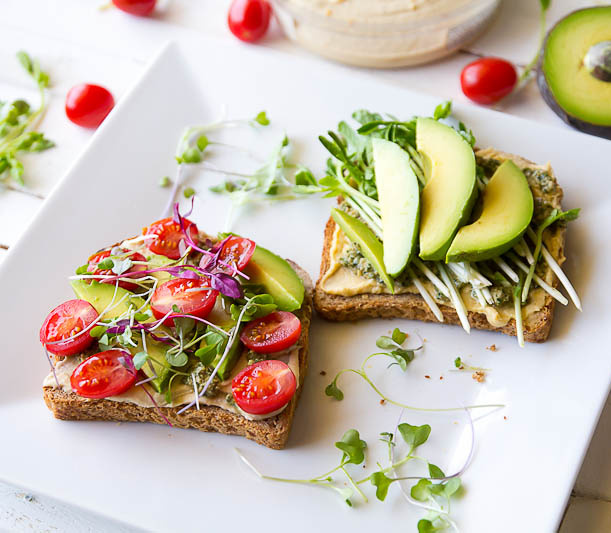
x,y
415,156
475,273
195,391
142,382
553,264
487,295
529,256
459,271
425,295
479,296
507,269
52,366
432,277
518,316
554,293
418,171
562,277
370,222
455,296
230,341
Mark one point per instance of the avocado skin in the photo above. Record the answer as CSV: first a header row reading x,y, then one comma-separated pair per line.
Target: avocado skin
x,y
546,92
483,256
581,125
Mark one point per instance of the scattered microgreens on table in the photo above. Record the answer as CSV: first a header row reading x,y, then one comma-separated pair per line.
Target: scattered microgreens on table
x,y
18,123
459,364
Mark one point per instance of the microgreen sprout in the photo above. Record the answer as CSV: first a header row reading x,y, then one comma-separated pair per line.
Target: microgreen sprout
x,y
459,364
353,453
188,192
401,357
18,124
165,181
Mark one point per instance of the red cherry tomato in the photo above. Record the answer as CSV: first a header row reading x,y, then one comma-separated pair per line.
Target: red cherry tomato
x,y
264,387
192,296
64,322
488,79
87,105
104,374
169,236
136,7
248,19
97,258
271,333
237,251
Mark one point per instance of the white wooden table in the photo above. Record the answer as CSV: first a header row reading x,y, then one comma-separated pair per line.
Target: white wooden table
x,y
76,42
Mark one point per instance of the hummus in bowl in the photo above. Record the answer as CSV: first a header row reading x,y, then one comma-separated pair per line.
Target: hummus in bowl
x,y
384,33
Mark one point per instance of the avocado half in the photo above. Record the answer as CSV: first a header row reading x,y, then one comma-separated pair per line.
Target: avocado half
x,y
574,73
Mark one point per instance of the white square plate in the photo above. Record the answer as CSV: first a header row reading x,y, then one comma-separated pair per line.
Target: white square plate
x,y
158,478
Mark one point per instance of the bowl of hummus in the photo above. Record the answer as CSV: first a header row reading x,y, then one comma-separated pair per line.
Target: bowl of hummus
x,y
384,33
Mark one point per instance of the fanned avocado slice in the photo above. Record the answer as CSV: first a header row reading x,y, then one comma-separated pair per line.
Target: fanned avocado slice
x,y
507,209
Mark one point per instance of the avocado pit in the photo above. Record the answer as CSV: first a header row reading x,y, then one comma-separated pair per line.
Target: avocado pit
x,y
598,60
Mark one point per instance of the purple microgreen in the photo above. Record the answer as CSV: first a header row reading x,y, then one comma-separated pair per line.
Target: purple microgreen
x,y
52,366
156,406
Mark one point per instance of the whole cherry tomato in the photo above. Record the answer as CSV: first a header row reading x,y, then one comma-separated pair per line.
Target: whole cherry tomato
x,y
488,79
248,19
87,105
136,7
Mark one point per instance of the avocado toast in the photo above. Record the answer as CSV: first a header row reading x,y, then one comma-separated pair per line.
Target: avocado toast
x,y
177,327
483,244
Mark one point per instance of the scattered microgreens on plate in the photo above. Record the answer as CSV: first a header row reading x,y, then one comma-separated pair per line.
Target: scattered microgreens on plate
x,y
401,357
436,489
18,123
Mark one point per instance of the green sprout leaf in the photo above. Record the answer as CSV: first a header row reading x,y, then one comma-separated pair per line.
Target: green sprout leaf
x,y
165,181
414,436
188,192
426,526
262,119
435,471
176,359
139,359
443,110
191,155
458,362
382,482
97,331
452,486
334,391
353,447
399,336
202,143
421,491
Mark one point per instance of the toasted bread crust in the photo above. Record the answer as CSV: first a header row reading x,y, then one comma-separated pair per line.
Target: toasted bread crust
x,y
271,432
412,306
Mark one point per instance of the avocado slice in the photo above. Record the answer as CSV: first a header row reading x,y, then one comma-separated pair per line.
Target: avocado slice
x,y
224,370
450,190
399,196
157,351
362,236
507,209
277,276
100,296
574,73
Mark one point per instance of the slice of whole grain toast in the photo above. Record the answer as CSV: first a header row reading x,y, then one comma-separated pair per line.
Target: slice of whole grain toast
x,y
412,306
271,432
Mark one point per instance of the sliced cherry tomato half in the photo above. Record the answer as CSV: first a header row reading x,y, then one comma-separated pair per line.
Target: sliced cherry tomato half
x,y
248,19
488,79
63,323
191,296
87,105
140,8
97,258
271,333
169,236
104,374
264,387
237,251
